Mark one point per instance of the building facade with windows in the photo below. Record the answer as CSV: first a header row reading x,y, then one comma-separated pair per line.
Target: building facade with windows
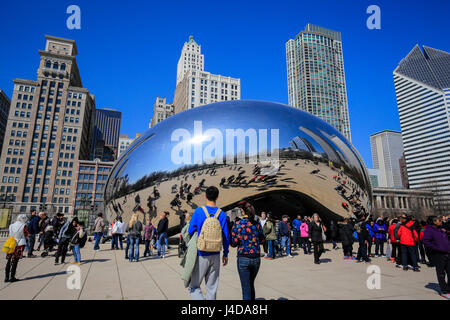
x,y
4,112
106,134
387,149
316,76
91,177
50,127
161,111
125,141
196,87
422,86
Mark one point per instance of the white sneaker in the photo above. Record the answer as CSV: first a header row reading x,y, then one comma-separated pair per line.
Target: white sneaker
x,y
162,257
265,255
290,256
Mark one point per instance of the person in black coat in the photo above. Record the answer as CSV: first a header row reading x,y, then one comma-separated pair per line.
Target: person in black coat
x,y
333,233
346,235
315,236
364,239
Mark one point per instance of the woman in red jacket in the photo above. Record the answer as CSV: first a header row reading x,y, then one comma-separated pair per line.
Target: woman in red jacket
x,y
408,238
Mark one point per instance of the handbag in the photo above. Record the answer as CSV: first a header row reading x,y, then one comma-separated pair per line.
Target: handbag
x,y
324,237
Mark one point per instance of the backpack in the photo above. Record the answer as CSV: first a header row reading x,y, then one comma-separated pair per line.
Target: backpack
x,y
9,246
83,240
210,238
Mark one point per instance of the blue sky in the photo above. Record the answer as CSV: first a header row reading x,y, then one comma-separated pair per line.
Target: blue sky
x,y
128,50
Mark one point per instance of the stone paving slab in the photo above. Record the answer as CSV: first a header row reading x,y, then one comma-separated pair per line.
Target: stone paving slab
x,y
106,274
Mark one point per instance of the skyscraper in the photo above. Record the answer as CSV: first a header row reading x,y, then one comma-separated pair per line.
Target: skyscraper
x,y
106,134
196,87
191,59
316,77
4,112
387,149
422,86
50,127
161,111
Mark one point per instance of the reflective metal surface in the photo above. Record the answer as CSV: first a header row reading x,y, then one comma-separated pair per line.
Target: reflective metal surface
x,y
284,160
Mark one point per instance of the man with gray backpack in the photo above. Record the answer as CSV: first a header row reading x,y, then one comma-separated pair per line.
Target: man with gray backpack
x,y
210,223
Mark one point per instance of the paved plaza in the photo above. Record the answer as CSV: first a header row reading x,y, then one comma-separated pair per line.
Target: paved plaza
x,y
107,275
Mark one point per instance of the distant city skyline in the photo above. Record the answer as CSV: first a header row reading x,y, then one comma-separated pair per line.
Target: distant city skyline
x,y
140,60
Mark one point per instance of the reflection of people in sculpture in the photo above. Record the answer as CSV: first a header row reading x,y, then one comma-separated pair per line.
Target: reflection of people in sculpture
x,y
175,202
174,188
189,197
156,193
222,182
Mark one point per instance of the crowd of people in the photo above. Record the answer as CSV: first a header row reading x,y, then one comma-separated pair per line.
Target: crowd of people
x,y
404,241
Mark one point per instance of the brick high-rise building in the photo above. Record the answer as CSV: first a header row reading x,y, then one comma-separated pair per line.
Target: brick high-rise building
x,y
50,127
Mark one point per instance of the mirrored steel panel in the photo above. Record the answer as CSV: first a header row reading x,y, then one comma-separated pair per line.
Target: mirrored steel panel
x,y
281,159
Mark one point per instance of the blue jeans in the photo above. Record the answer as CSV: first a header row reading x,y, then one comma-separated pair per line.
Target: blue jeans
x,y
147,248
285,243
134,244
248,269
127,248
76,253
115,241
270,245
162,240
97,237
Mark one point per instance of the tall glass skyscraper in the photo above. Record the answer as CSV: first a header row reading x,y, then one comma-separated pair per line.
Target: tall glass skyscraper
x,y
422,86
316,77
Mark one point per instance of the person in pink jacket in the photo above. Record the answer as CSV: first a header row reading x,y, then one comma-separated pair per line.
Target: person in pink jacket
x,y
305,244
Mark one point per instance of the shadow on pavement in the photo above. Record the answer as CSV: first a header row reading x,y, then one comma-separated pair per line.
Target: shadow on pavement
x,y
433,286
94,260
52,274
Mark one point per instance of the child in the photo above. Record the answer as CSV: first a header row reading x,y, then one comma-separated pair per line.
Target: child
x,y
78,241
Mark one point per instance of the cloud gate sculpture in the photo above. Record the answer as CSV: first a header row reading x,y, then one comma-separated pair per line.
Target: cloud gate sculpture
x,y
281,159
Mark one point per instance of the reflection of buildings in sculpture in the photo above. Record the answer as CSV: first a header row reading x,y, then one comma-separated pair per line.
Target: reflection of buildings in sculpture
x,y
350,156
302,144
326,147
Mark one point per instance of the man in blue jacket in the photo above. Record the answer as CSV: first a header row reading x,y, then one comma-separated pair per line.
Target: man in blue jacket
x,y
285,234
33,230
207,265
296,229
